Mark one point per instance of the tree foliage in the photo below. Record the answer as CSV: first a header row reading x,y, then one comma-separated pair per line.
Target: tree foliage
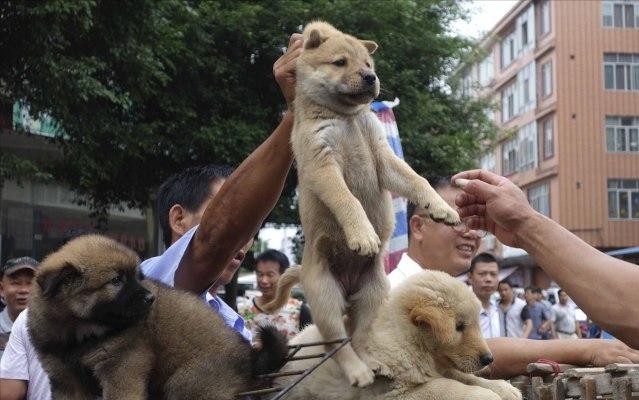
x,y
145,88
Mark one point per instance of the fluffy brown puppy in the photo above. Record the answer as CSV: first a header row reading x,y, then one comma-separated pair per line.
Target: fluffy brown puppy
x,y
101,330
347,171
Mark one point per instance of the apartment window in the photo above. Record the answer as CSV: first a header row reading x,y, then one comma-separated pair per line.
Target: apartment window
x,y
524,33
487,162
508,50
621,71
547,138
520,153
527,147
526,88
466,84
623,198
508,106
622,134
539,198
544,23
546,79
486,71
509,157
620,13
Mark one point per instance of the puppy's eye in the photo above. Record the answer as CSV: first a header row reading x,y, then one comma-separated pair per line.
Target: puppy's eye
x,y
460,327
340,63
368,64
117,280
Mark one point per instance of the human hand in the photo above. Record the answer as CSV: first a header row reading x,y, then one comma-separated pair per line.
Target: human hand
x,y
493,203
603,352
284,68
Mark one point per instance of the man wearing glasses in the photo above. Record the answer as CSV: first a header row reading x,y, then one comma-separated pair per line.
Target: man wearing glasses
x,y
436,246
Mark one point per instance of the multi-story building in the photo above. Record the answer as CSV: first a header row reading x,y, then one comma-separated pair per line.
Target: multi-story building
x,y
37,217
565,77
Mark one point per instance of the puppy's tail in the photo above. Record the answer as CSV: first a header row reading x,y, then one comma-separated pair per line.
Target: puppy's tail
x,y
290,278
272,351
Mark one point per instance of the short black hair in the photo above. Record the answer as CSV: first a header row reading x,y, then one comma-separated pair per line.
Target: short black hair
x,y
275,256
189,189
437,182
505,282
483,258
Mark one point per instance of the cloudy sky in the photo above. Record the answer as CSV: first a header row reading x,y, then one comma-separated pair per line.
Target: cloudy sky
x,y
484,15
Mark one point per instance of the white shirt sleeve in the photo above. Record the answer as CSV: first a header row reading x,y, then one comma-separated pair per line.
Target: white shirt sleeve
x,y
14,363
163,268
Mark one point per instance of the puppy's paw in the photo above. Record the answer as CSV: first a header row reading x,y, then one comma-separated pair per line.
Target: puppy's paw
x,y
440,211
505,390
360,375
377,367
364,241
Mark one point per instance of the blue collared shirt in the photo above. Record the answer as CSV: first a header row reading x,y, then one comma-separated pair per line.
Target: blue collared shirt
x,y
162,268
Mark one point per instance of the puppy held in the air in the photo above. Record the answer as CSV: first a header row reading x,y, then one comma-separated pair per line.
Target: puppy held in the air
x,y
101,331
346,171
428,338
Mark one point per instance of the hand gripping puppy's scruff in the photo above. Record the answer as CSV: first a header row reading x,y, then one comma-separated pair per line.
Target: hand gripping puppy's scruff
x,y
428,339
346,172
101,331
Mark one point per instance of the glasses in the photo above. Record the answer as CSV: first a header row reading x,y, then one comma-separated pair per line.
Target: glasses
x,y
462,228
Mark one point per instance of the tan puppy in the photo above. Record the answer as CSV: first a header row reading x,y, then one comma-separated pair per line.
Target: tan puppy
x,y
428,338
346,172
100,331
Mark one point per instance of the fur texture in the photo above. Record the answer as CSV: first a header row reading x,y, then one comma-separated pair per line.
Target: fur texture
x,y
428,339
100,330
346,172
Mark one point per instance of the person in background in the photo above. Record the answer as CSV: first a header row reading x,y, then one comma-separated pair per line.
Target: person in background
x,y
483,277
549,328
293,317
510,306
16,277
566,324
535,315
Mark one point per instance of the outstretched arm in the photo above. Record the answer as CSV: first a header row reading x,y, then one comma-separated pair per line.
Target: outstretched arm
x,y
512,355
495,203
249,194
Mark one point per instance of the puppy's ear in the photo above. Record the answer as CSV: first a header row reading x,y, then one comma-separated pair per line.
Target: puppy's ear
x,y
51,281
370,46
314,40
436,318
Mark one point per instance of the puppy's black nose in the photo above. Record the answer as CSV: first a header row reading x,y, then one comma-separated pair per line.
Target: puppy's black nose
x,y
486,359
369,78
149,298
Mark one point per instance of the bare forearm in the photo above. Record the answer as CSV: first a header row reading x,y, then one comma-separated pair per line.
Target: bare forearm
x,y
512,355
578,268
237,211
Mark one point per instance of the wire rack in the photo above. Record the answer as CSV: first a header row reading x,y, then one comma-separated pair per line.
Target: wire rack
x,y
271,392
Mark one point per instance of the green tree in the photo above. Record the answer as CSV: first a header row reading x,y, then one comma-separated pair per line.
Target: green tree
x,y
145,88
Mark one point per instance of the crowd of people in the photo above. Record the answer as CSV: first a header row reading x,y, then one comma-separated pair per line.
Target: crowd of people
x,y
533,317
209,216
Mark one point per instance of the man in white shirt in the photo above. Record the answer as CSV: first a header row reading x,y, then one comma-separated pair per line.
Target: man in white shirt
x,y
21,373
483,277
510,307
16,276
566,324
433,245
